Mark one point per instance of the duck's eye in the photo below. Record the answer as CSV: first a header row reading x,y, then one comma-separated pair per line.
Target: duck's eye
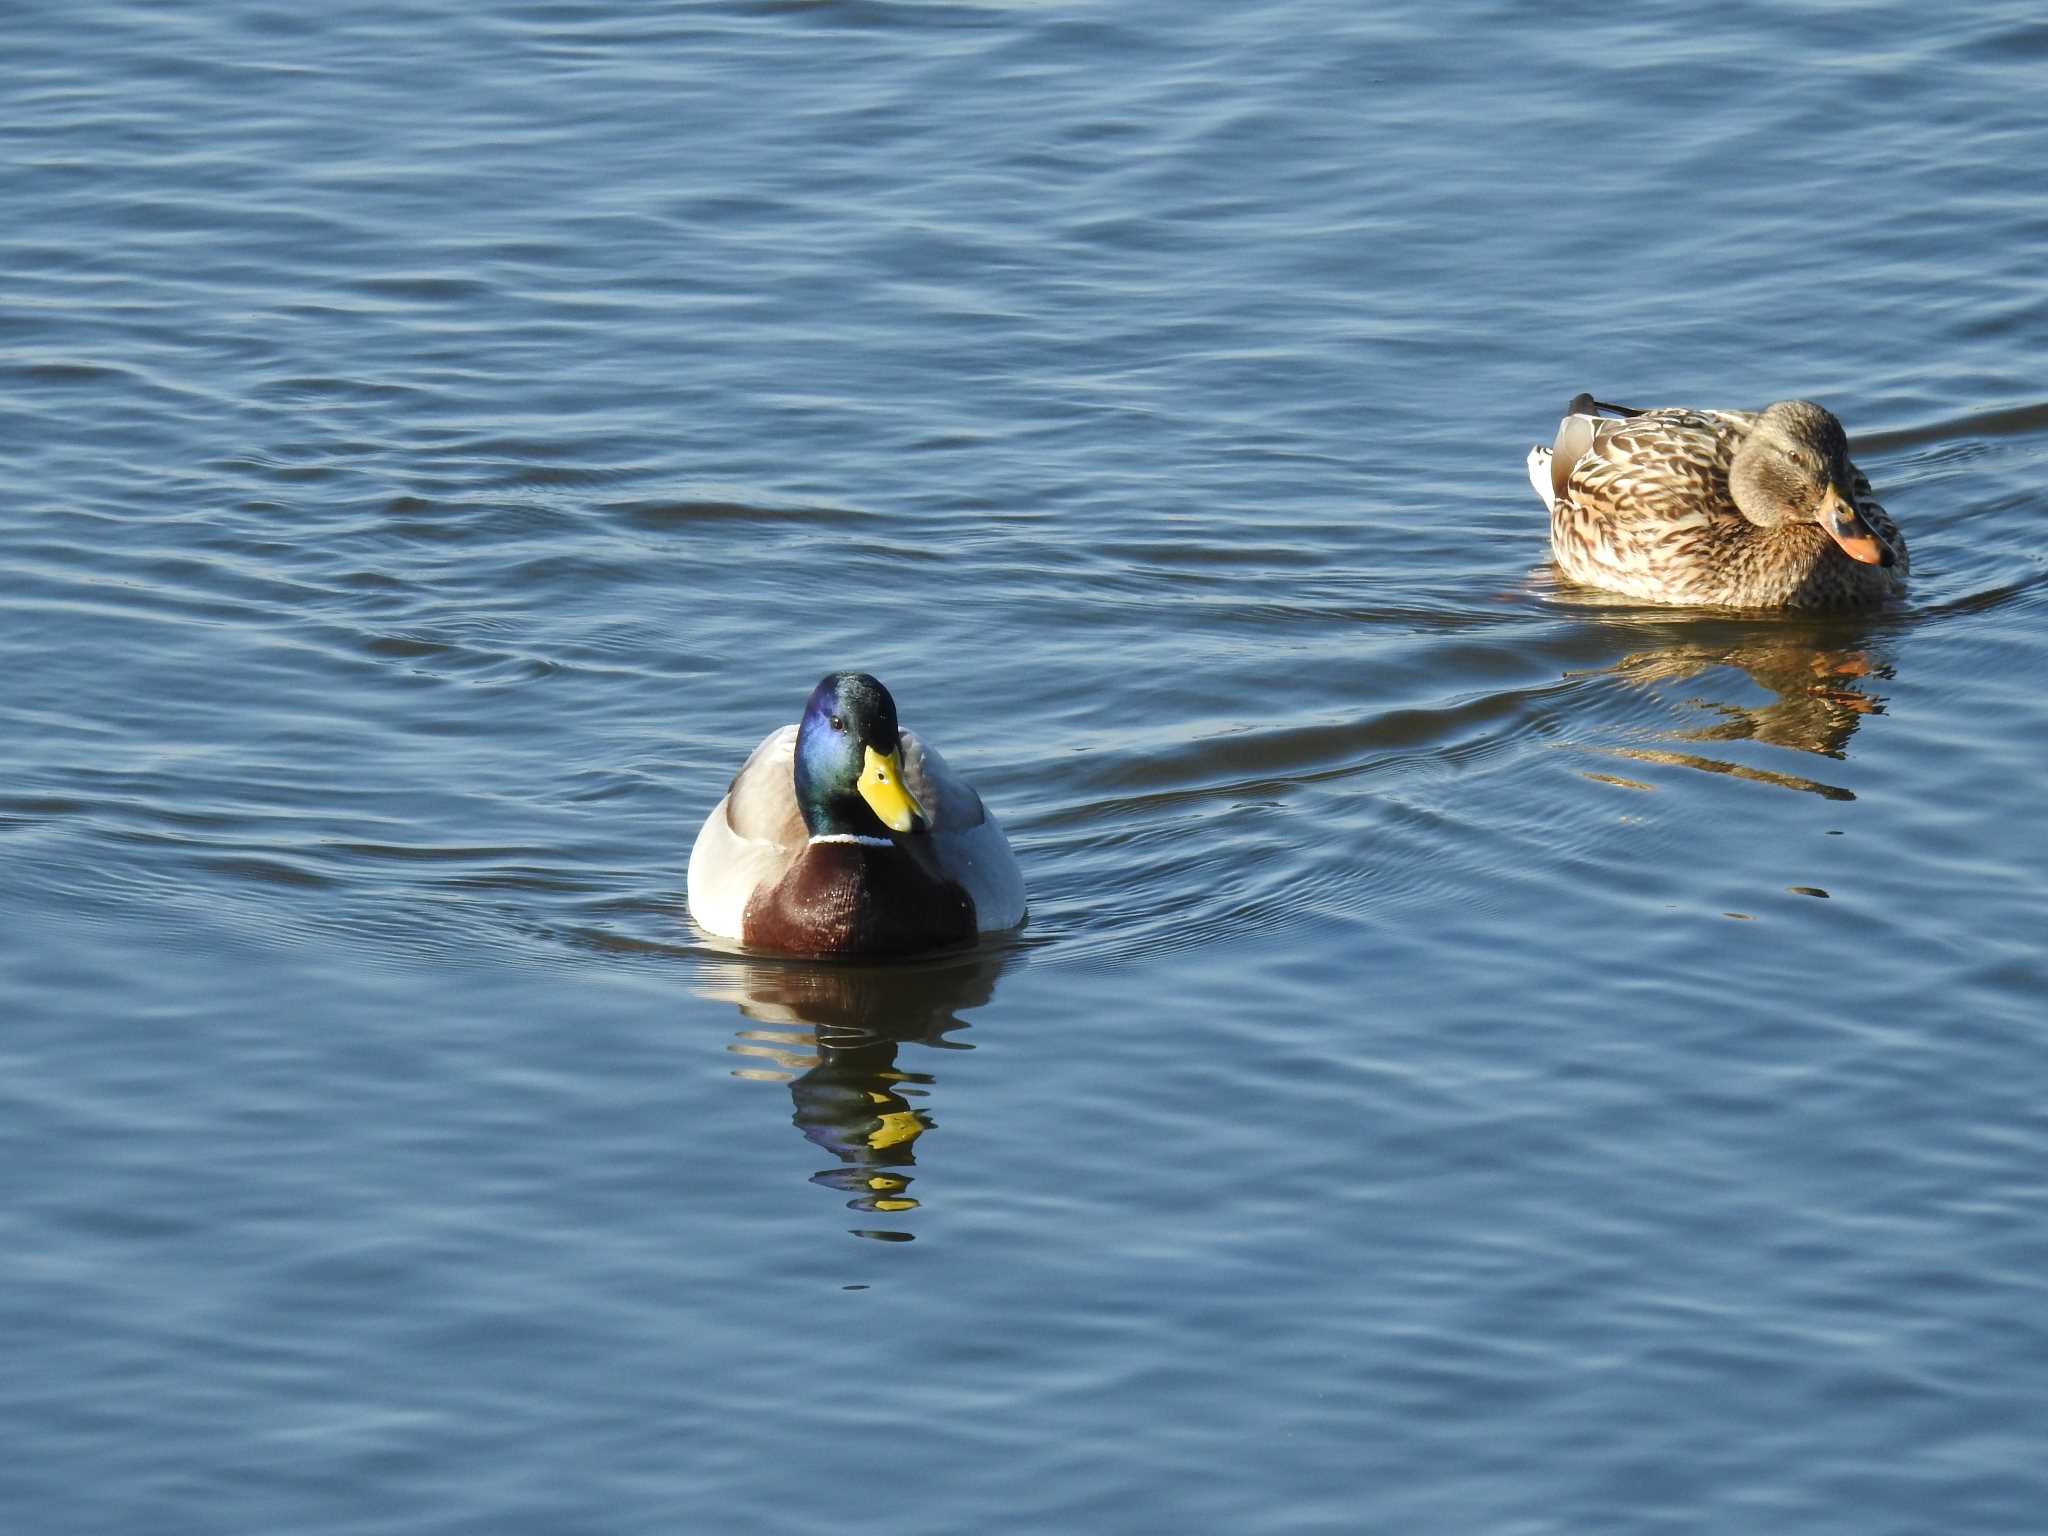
x,y
839,722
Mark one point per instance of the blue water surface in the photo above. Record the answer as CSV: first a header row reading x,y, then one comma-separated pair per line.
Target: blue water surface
x,y
1484,1059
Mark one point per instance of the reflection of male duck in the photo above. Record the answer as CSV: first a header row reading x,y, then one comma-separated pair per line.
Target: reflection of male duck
x,y
851,1096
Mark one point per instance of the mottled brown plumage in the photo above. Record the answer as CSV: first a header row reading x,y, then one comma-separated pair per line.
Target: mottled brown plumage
x,y
1750,509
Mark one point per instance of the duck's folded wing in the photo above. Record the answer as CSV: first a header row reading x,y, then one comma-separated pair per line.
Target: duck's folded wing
x,y
1664,467
949,801
761,803
965,839
750,837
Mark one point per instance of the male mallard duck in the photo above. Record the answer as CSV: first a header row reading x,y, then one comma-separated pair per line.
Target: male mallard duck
x,y
1754,509
846,835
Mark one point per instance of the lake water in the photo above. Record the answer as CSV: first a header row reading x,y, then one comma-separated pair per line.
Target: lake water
x,y
1483,1060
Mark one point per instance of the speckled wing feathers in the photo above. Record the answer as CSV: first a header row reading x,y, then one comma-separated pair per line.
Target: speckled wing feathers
x,y
1639,505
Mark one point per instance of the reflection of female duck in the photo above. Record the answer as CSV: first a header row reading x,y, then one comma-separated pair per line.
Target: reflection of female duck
x,y
1751,509
1819,673
1819,687
849,1093
845,835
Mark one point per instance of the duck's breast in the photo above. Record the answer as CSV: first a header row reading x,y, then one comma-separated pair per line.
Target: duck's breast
x,y
859,897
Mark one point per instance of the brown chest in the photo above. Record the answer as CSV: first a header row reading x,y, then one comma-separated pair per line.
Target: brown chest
x,y
859,899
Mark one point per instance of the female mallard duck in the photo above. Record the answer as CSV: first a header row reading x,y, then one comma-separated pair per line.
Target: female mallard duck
x,y
846,835
1753,509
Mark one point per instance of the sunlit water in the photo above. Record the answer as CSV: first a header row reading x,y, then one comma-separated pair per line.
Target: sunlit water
x,y
1483,1059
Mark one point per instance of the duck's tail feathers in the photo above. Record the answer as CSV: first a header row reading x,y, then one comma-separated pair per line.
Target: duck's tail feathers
x,y
1550,469
1539,476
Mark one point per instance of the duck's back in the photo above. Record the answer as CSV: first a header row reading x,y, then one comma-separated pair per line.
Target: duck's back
x,y
1664,466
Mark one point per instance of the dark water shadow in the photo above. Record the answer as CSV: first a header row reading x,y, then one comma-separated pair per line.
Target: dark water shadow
x,y
2009,421
833,1033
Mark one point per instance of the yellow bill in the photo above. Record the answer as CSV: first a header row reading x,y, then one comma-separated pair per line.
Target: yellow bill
x,y
881,785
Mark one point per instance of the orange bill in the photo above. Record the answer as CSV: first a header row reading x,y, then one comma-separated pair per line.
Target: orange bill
x,y
1845,525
